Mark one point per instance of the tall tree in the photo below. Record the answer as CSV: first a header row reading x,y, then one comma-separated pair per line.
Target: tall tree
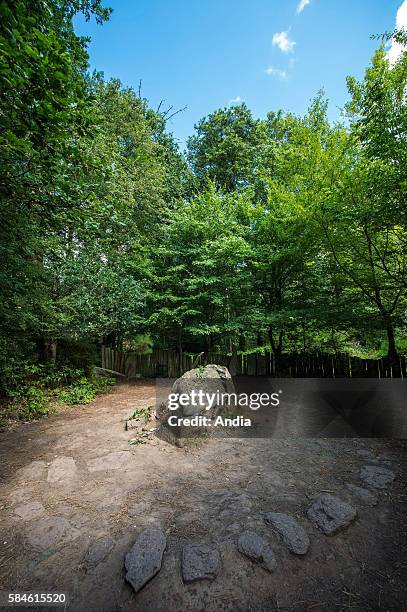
x,y
200,293
43,108
223,149
364,221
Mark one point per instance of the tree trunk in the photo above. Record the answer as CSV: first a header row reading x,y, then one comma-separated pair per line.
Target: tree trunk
x,y
180,355
50,350
276,348
280,343
233,361
242,343
271,337
391,344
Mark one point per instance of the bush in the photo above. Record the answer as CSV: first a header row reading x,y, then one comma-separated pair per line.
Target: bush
x,y
84,390
39,389
77,355
36,402
30,402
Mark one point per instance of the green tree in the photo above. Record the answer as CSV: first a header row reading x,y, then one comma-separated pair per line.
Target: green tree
x,y
378,116
43,107
200,293
363,215
223,149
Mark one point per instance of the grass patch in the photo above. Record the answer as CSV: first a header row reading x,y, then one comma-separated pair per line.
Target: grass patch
x,y
141,413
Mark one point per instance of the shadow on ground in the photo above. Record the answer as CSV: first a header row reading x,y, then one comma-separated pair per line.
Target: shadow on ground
x,y
74,480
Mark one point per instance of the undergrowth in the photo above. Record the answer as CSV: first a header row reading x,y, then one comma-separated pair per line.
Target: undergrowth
x,y
43,389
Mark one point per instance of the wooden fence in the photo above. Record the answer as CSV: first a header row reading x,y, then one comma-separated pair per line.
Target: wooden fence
x,y
167,363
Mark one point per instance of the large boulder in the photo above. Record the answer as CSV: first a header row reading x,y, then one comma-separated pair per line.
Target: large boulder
x,y
196,399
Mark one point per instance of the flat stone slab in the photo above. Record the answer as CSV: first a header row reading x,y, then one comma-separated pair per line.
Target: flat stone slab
x,y
144,559
364,495
257,549
19,496
99,550
199,562
117,460
290,532
366,454
70,441
36,470
30,511
331,514
47,533
229,506
376,476
62,469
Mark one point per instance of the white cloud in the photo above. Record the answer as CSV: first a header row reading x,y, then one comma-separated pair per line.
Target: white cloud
x,y
401,22
272,71
237,100
302,4
282,41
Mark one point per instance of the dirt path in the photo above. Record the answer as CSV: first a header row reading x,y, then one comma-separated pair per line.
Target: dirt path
x,y
74,480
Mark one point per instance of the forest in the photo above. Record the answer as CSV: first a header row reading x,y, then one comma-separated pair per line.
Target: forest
x,y
285,233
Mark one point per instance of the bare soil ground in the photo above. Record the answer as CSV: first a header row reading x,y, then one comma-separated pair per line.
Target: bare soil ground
x,y
73,479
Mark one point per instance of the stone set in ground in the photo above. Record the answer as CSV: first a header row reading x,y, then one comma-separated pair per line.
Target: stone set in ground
x,y
290,532
202,561
145,558
99,550
258,549
376,476
331,514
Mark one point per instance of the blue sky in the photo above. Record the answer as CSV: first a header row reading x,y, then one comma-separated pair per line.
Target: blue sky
x,y
204,54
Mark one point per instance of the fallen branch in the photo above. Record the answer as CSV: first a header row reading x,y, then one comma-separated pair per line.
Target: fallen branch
x,y
110,372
